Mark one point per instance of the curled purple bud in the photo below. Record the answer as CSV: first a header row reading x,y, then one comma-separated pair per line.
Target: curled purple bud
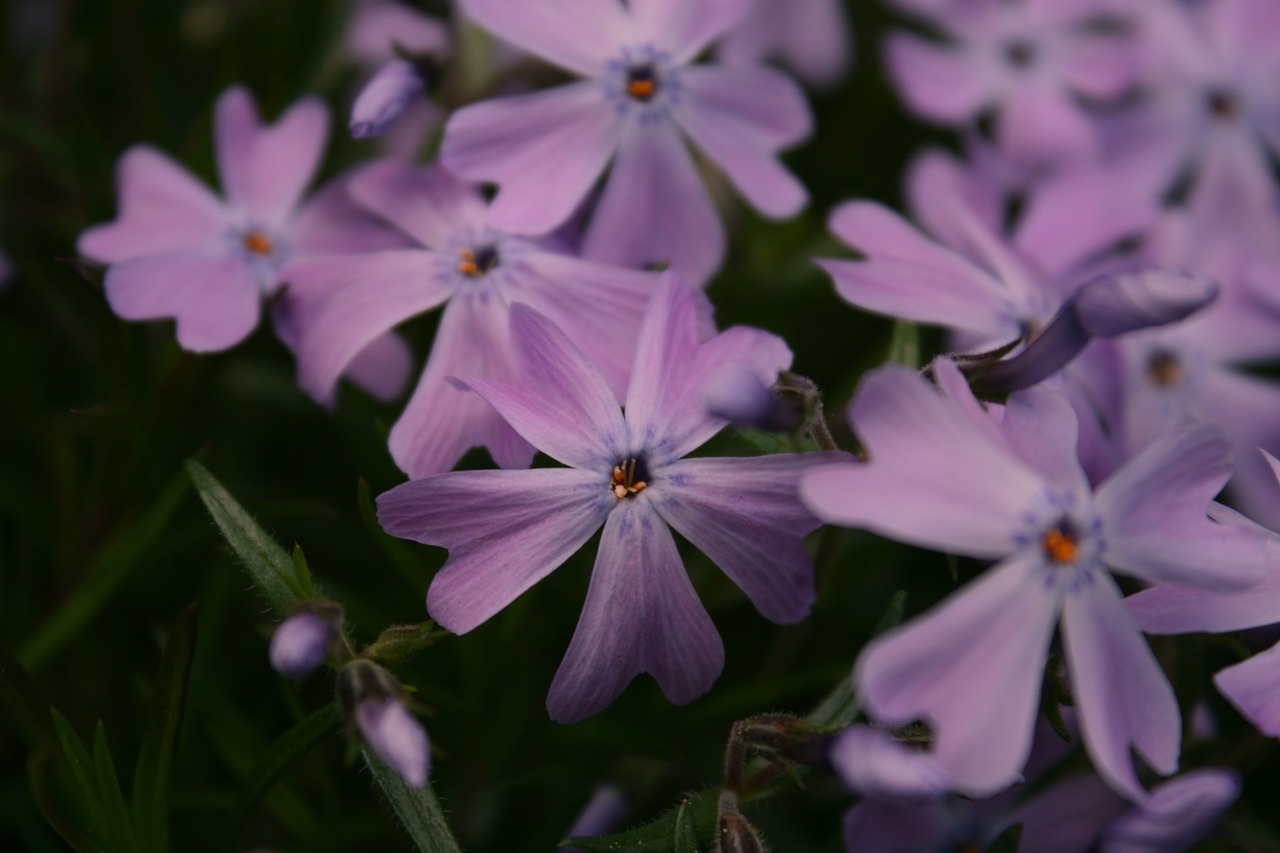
x,y
299,645
396,736
739,396
385,98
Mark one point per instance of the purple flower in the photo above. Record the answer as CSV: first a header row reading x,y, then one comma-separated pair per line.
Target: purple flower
x,y
299,645
385,98
506,530
875,765
1179,813
1006,485
396,736
547,149
1026,61
178,250
812,37
476,271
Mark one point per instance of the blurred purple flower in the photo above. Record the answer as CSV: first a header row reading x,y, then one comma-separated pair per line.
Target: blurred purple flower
x,y
945,473
385,98
875,765
1029,62
476,272
812,37
1179,813
506,530
178,251
396,736
547,149
299,645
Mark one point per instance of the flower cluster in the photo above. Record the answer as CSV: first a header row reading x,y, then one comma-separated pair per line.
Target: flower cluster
x,y
1103,260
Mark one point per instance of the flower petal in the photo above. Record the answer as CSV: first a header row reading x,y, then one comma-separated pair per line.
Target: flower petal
x,y
874,764
340,304
579,35
934,478
745,514
1039,126
1122,697
1253,686
544,149
562,406
654,208
505,531
214,299
1179,813
985,647
740,117
441,421
163,209
382,368
641,615
939,83
266,169
684,28
429,204
1155,513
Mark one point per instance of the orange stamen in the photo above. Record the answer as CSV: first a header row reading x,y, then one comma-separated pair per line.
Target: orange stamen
x,y
1060,547
257,243
623,482
641,90
468,266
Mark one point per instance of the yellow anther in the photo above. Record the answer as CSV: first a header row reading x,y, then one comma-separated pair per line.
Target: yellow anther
x,y
623,482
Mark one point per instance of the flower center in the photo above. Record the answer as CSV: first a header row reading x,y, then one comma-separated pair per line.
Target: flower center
x,y
1019,54
1222,104
476,262
642,82
257,243
629,477
1164,369
1060,544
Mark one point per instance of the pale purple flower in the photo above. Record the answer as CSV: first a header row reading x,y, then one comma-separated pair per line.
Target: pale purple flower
x,y
396,736
812,37
1006,485
1179,813
179,251
476,271
385,98
299,645
546,150
1028,62
506,530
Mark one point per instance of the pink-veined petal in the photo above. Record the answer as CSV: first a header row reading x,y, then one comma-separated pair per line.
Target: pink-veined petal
x,y
215,300
163,209
685,28
1253,686
1039,127
265,169
505,531
382,368
746,515
330,222
641,615
578,35
544,149
654,208
429,204
939,83
990,639
740,117
1122,697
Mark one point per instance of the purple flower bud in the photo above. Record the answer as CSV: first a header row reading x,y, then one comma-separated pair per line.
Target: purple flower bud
x,y
385,98
396,736
1179,813
299,645
739,396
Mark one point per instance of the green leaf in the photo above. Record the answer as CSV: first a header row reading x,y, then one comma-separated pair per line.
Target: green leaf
x,y
82,771
302,571
291,746
839,708
160,739
125,552
119,830
266,562
765,442
43,768
893,613
22,703
696,816
417,808
904,347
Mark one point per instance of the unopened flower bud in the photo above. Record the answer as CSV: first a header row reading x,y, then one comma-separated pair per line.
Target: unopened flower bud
x,y
299,645
370,698
385,98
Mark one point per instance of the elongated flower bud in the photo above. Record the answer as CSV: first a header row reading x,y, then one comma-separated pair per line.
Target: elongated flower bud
x,y
299,645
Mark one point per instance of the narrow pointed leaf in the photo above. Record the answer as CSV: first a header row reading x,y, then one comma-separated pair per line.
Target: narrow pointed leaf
x,y
22,705
302,571
291,746
160,739
119,829
262,557
417,808
904,347
82,771
43,769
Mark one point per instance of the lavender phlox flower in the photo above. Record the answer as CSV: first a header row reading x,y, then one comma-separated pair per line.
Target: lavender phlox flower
x,y
385,98
812,37
373,701
475,271
506,530
1028,62
299,645
1006,485
547,149
1105,307
177,250
1212,104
